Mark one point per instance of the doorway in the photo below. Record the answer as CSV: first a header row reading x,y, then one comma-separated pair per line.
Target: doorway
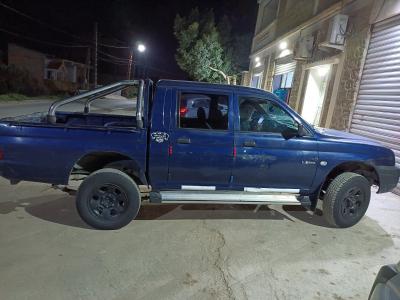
x,y
315,94
256,81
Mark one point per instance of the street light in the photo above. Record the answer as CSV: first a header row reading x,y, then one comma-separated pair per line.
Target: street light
x,y
141,48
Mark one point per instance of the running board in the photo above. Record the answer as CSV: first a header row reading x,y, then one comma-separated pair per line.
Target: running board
x,y
228,197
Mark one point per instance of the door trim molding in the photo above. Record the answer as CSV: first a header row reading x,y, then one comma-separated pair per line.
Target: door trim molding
x,y
271,190
198,188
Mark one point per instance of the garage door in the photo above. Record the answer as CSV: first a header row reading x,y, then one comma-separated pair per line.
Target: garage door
x,y
285,68
377,110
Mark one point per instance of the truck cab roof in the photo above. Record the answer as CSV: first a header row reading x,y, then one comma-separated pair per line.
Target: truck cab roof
x,y
210,86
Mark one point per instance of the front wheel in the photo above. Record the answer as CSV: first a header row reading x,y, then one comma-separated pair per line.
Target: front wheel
x,y
346,200
108,199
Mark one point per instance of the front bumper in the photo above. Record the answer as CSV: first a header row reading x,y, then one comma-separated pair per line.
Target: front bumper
x,y
388,178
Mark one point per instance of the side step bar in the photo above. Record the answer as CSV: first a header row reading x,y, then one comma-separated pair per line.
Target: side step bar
x,y
227,197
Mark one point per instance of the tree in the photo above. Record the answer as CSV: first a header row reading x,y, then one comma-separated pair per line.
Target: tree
x,y
201,47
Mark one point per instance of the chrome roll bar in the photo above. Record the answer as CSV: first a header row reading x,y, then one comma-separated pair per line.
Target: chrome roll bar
x,y
98,93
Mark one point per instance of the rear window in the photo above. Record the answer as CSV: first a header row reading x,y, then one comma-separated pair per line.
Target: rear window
x,y
203,111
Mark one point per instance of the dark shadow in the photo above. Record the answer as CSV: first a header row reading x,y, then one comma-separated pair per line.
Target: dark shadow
x,y
60,210
302,214
207,211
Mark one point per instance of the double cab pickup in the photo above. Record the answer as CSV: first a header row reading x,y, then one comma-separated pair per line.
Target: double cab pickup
x,y
189,142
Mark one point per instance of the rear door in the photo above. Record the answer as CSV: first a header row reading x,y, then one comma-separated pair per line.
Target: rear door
x,y
264,158
201,139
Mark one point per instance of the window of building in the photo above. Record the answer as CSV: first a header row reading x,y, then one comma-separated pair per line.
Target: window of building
x,y
203,111
270,11
51,75
282,85
256,81
259,115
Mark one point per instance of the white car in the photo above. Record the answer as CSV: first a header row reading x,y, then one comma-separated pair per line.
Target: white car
x,y
191,103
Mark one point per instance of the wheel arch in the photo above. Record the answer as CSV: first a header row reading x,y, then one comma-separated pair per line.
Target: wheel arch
x,y
96,160
358,167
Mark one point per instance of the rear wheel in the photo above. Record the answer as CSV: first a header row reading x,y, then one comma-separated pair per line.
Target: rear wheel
x,y
108,199
346,200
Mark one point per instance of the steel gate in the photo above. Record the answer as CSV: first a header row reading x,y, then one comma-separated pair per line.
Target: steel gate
x,y
377,111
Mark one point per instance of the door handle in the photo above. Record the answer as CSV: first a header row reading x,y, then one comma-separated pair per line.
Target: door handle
x,y
250,143
184,141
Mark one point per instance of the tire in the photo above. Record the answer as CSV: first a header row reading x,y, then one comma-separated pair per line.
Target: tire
x,y
346,200
108,199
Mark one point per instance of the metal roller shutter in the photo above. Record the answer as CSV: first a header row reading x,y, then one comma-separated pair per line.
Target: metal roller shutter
x,y
285,68
377,111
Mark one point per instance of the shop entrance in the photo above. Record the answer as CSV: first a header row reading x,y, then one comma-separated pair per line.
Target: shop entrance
x,y
315,94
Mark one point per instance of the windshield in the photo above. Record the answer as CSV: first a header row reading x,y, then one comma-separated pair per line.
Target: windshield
x,y
264,116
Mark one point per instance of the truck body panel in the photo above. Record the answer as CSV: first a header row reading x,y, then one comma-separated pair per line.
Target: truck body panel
x,y
171,154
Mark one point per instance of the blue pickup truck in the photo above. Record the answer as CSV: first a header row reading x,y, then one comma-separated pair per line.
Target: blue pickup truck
x,y
232,145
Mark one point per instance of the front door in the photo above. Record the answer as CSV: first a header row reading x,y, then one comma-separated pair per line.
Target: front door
x,y
264,158
201,149
314,97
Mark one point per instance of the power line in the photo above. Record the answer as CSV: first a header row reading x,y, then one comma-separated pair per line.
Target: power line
x,y
56,28
112,56
41,41
37,20
112,61
113,46
137,65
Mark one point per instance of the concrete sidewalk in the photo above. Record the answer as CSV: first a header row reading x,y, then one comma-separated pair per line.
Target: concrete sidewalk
x,y
189,252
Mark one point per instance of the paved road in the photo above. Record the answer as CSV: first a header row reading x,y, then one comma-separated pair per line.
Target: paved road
x,y
118,105
12,109
188,252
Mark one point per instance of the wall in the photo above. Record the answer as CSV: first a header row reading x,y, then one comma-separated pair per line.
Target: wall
x,y
29,60
353,58
245,78
356,43
292,13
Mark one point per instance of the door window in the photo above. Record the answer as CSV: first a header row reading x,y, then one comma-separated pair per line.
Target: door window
x,y
259,115
203,111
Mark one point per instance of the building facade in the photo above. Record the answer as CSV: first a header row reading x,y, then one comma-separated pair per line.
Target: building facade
x,y
59,75
337,63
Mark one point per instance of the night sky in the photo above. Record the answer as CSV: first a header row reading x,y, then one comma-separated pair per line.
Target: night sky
x,y
120,22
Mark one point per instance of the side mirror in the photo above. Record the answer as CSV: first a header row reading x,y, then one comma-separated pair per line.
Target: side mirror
x,y
290,133
302,131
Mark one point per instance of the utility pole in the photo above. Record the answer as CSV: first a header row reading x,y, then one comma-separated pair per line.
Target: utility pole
x,y
88,67
130,64
95,53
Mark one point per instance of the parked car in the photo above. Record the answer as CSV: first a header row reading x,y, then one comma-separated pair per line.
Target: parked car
x,y
244,147
191,103
387,284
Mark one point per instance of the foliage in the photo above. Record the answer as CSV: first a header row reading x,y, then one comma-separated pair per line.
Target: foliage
x,y
21,97
15,80
201,46
13,97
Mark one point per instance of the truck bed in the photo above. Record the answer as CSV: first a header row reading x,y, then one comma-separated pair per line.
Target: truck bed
x,y
74,119
36,150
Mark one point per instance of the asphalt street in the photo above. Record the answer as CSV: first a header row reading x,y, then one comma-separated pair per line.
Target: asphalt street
x,y
116,104
189,251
